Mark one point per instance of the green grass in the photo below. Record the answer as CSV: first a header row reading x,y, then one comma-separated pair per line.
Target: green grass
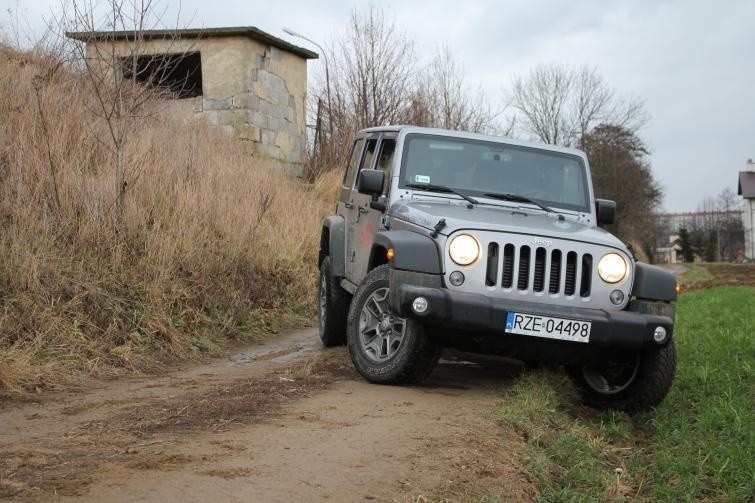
x,y
699,444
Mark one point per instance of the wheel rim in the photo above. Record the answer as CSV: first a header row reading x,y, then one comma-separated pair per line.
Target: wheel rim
x,y
380,332
322,300
612,376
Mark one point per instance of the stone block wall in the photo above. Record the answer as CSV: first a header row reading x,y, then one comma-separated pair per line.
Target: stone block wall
x,y
252,91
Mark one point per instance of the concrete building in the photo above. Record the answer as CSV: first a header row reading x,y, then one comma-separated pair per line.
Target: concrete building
x,y
242,80
671,253
746,189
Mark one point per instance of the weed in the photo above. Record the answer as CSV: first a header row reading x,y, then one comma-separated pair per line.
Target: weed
x,y
300,370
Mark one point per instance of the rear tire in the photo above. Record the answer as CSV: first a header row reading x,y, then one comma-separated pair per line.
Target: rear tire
x,y
632,383
332,307
386,348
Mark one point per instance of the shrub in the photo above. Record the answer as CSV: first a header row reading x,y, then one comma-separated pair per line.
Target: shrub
x,y
214,244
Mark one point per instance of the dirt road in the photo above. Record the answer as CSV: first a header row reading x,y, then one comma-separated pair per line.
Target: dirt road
x,y
285,421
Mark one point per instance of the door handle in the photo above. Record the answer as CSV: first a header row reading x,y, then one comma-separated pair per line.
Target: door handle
x,y
348,205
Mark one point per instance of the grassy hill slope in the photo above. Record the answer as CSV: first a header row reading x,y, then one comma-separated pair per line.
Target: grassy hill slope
x,y
214,245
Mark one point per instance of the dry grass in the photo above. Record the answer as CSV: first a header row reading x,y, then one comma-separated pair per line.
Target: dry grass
x,y
214,245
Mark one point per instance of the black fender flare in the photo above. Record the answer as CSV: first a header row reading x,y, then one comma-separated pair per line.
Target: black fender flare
x,y
412,251
333,244
653,283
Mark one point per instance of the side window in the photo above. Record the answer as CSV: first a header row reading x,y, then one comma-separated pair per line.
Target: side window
x,y
369,154
385,160
356,153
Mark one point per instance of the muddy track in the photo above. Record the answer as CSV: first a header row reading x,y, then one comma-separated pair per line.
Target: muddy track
x,y
285,421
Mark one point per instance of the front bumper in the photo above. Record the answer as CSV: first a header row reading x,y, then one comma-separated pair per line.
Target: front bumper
x,y
469,312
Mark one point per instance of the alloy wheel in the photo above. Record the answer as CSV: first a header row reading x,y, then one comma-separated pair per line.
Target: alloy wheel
x,y
380,332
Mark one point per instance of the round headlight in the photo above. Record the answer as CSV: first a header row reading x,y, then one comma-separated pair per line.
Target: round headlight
x,y
612,268
464,249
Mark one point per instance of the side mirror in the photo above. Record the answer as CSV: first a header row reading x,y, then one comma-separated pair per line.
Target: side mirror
x,y
371,182
605,211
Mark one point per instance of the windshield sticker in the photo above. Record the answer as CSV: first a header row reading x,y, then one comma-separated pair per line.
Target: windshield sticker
x,y
421,179
446,146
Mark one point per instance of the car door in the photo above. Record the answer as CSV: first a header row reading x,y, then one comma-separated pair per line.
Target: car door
x,y
354,205
369,220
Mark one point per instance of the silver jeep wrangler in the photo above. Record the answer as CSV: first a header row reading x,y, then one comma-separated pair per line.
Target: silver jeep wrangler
x,y
490,245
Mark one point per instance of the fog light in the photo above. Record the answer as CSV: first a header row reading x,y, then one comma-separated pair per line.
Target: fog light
x,y
659,335
456,278
419,305
617,297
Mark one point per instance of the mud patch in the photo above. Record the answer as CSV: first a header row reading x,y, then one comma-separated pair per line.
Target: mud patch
x,y
82,407
482,467
228,446
228,473
160,461
221,407
64,464
35,473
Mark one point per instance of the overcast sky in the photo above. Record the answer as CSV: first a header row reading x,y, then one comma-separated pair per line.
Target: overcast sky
x,y
692,61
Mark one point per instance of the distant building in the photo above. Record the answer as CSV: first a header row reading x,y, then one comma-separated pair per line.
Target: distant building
x,y
671,253
746,189
672,222
242,80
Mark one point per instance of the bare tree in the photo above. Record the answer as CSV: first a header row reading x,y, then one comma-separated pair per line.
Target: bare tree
x,y
443,99
710,217
728,200
375,79
720,223
374,65
559,105
124,78
731,237
372,75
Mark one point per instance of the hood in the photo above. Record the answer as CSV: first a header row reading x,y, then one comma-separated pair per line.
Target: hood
x,y
500,218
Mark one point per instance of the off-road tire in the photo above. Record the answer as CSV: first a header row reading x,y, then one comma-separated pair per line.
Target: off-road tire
x,y
652,382
415,358
332,316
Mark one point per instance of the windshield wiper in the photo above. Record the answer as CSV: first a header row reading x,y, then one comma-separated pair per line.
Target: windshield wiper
x,y
442,188
519,199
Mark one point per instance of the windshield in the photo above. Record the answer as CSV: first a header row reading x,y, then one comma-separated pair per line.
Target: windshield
x,y
480,167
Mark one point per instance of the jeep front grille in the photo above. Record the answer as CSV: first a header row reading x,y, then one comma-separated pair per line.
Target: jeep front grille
x,y
539,269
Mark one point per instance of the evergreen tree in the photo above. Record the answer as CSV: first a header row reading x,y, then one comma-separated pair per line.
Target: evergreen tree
x,y
686,244
711,246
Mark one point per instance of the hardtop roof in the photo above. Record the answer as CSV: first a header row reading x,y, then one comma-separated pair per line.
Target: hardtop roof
x,y
407,129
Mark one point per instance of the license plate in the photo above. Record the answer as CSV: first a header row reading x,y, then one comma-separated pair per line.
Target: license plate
x,y
545,326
